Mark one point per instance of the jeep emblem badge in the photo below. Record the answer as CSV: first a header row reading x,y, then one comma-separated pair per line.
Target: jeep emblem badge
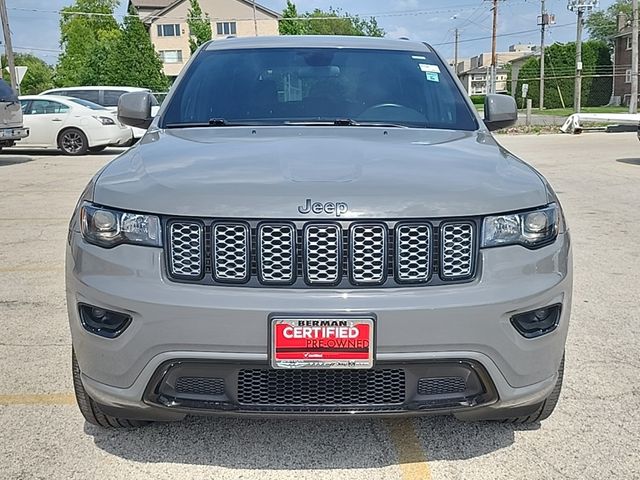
x,y
330,208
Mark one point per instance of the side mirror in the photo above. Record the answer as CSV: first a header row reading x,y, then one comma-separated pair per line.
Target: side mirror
x,y
500,111
134,109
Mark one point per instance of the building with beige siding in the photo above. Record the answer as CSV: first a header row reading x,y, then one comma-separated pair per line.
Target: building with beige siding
x,y
166,21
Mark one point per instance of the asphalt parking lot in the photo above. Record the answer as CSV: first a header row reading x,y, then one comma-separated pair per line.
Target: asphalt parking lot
x,y
594,433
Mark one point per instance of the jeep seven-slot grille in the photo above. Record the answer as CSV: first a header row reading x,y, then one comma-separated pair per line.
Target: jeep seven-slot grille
x,y
341,253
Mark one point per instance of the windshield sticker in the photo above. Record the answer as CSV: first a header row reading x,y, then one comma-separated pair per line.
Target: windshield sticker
x,y
429,68
432,76
418,57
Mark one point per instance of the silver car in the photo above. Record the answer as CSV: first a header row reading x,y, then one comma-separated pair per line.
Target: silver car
x,y
317,226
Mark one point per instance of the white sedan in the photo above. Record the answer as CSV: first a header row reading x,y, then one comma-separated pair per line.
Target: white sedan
x,y
72,125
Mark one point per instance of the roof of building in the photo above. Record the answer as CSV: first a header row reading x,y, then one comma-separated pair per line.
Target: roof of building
x,y
622,33
163,6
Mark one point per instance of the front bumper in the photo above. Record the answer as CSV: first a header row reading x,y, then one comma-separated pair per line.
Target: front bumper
x,y
416,327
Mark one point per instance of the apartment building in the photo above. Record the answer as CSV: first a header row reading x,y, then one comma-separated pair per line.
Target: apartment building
x,y
166,21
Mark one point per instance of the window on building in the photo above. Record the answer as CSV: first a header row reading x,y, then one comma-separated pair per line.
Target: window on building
x,y
627,76
171,56
169,30
226,28
628,39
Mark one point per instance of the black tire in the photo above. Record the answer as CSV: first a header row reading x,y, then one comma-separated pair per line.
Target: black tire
x,y
97,149
547,407
73,141
90,409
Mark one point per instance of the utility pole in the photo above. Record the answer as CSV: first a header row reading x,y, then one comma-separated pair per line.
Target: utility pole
x,y
577,95
543,26
579,7
4,17
494,56
455,52
255,19
633,101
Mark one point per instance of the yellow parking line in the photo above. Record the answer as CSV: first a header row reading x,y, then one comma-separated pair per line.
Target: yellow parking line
x,y
38,399
411,457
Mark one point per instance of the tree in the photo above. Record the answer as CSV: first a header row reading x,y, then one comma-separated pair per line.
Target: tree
x,y
131,59
560,66
39,76
291,27
603,24
199,26
330,22
81,35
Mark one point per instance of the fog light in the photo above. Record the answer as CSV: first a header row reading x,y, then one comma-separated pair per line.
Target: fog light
x,y
537,322
102,322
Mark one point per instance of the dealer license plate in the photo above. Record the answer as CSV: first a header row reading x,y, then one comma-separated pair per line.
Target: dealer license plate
x,y
322,343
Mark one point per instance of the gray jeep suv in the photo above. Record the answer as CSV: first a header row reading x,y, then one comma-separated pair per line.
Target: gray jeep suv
x,y
317,226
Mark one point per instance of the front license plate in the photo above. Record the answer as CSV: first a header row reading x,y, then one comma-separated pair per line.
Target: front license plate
x,y
322,343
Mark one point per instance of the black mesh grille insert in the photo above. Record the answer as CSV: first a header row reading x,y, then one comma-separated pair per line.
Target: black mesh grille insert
x,y
321,387
200,385
441,385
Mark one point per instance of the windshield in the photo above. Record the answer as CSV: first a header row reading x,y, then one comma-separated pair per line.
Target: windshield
x,y
86,103
306,85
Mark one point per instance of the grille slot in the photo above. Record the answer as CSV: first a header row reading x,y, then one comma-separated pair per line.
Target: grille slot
x,y
457,250
323,252
441,385
200,386
230,252
276,244
368,253
185,257
321,387
413,250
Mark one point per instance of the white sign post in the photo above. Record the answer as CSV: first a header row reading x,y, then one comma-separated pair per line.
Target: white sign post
x,y
20,73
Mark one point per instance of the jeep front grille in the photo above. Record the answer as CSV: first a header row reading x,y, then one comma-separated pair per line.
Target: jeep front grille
x,y
343,254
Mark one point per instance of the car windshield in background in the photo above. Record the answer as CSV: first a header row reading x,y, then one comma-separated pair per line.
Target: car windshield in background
x,y
348,87
86,103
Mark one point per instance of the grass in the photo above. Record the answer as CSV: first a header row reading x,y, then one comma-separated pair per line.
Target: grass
x,y
565,112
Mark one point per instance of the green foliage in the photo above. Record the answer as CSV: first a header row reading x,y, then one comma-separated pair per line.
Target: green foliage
x,y
603,24
199,26
39,76
477,99
291,27
131,59
98,51
330,22
560,63
81,36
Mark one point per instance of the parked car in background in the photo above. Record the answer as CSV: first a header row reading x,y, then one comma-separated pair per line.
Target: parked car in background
x,y
11,127
106,96
72,125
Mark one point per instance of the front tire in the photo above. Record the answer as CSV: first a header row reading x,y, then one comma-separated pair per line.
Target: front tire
x,y
90,409
547,407
73,141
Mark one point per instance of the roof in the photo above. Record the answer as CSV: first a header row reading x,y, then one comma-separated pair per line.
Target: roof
x,y
97,87
482,70
317,41
626,31
165,6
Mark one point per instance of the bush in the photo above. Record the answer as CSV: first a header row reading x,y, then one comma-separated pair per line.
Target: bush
x,y
477,99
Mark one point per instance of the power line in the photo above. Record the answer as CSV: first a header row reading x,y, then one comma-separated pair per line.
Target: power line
x,y
511,34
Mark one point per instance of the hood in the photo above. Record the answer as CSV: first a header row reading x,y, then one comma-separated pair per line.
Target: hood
x,y
270,172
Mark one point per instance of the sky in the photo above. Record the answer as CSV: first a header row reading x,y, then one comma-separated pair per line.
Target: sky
x,y
34,23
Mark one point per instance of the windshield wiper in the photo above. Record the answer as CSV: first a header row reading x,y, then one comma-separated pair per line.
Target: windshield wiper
x,y
214,122
344,122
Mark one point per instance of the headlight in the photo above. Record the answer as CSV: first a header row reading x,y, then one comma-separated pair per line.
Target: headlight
x,y
107,227
531,229
105,120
